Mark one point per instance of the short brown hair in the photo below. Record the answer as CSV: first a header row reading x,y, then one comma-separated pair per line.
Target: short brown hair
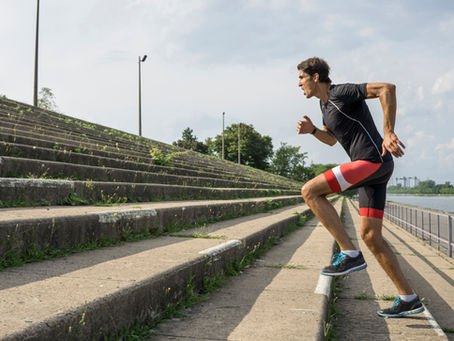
x,y
315,65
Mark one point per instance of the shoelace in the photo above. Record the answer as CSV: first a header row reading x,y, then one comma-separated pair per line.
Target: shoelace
x,y
337,258
396,301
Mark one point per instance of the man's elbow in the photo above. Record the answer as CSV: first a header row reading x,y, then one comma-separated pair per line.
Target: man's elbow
x,y
332,142
390,88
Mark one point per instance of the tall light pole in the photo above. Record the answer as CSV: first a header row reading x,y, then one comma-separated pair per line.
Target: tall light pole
x,y
223,114
141,60
35,87
239,149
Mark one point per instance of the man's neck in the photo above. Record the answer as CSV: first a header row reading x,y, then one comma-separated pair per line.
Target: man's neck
x,y
323,91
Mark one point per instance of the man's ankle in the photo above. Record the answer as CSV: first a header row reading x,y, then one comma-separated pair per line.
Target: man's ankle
x,y
351,253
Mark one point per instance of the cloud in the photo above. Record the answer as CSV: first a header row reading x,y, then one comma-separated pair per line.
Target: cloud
x,y
444,83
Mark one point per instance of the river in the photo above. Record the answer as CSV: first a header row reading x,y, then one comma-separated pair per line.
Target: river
x,y
442,203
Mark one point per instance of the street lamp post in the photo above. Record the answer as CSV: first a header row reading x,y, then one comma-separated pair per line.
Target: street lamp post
x,y
239,146
141,60
35,87
223,114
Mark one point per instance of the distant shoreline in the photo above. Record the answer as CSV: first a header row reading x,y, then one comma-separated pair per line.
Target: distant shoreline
x,y
422,194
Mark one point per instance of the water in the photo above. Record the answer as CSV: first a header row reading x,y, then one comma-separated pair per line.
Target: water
x,y
442,203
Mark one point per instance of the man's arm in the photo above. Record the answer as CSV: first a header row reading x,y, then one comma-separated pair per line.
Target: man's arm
x,y
387,94
307,127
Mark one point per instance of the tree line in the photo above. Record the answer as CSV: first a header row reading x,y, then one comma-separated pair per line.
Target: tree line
x,y
255,151
424,187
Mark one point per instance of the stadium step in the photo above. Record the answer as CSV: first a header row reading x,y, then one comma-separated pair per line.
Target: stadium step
x,y
98,293
24,231
281,297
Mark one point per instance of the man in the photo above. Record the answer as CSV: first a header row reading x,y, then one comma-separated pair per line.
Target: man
x,y
346,118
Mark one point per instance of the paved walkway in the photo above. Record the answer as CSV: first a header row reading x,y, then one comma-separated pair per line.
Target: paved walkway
x,y
430,275
281,297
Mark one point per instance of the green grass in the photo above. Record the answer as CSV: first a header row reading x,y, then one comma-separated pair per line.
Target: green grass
x,y
448,330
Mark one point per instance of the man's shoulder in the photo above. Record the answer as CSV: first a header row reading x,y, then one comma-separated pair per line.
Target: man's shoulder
x,y
348,90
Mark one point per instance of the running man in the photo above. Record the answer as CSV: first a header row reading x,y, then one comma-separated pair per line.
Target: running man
x,y
347,119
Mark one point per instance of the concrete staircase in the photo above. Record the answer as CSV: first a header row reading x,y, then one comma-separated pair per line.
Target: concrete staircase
x,y
94,215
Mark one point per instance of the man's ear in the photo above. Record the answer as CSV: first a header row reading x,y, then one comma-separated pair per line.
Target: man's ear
x,y
316,77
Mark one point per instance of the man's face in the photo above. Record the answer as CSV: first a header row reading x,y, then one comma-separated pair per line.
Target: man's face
x,y
306,83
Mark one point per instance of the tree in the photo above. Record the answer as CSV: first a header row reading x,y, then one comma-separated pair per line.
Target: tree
x,y
255,149
189,141
289,162
46,99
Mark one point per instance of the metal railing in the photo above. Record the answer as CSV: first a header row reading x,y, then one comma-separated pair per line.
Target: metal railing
x,y
432,227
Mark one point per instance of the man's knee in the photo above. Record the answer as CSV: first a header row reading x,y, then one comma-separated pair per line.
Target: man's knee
x,y
371,233
308,191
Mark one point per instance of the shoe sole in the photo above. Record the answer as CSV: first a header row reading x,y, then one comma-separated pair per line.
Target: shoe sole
x,y
356,268
404,313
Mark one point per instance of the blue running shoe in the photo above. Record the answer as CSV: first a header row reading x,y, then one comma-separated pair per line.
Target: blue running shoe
x,y
343,264
401,308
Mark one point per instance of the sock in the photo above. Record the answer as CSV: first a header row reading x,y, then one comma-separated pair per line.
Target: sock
x,y
408,298
351,253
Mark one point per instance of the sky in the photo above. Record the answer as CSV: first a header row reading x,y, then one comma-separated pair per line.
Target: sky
x,y
206,57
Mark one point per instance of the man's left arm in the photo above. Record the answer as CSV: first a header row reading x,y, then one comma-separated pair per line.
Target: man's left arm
x,y
387,94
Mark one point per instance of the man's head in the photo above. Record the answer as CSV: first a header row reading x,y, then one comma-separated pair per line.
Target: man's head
x,y
312,71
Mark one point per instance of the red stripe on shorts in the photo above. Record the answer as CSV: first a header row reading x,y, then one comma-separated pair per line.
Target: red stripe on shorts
x,y
358,170
332,181
371,212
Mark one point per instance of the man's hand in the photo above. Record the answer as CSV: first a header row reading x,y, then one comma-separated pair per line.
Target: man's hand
x,y
305,126
391,144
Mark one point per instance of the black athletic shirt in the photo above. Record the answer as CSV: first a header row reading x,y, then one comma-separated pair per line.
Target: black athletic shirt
x,y
347,117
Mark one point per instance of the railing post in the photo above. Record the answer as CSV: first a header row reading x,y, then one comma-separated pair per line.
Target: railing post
x,y
422,225
450,236
438,231
406,218
430,229
411,222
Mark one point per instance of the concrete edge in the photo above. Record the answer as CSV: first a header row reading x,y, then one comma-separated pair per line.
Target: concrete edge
x,y
146,300
60,232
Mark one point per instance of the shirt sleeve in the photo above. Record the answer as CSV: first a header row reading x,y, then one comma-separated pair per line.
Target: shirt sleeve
x,y
348,93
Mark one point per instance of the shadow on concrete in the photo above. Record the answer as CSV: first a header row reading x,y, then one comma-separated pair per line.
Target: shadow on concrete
x,y
39,271
218,318
439,308
357,318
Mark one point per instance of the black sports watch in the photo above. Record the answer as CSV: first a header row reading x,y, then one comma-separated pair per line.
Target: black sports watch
x,y
313,131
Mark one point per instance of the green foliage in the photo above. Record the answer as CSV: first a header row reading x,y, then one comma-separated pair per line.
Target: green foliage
x,y
159,158
289,162
46,99
424,187
189,141
256,150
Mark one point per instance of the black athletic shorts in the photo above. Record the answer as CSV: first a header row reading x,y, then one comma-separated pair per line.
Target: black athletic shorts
x,y
371,179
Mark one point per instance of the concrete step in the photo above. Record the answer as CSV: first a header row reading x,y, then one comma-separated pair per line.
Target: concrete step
x,y
14,136
43,192
98,293
361,294
117,160
21,167
282,297
133,145
26,230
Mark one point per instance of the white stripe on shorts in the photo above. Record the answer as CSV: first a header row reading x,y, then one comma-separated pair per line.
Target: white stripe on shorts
x,y
344,184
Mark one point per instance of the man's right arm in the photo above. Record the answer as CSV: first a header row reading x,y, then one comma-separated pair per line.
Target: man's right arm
x,y
307,127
